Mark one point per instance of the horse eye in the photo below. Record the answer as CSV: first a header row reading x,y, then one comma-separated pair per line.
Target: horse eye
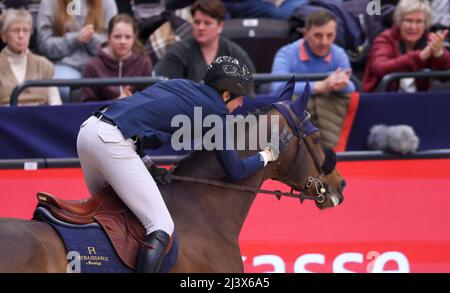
x,y
343,185
330,161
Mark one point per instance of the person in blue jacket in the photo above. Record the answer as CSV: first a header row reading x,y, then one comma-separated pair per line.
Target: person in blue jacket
x,y
108,154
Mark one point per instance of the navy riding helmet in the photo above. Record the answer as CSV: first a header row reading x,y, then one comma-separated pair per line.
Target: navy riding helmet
x,y
228,73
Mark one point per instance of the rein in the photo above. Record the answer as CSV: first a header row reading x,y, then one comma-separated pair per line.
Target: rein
x,y
216,183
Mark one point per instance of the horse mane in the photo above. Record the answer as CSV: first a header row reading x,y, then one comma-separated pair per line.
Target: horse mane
x,y
192,159
261,111
185,165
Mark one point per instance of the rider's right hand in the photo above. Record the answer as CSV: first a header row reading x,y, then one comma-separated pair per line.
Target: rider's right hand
x,y
272,150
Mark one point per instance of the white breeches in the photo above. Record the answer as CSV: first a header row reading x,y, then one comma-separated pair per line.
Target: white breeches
x,y
106,157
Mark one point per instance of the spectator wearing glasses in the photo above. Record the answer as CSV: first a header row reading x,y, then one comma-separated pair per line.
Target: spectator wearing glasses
x,y
407,47
18,64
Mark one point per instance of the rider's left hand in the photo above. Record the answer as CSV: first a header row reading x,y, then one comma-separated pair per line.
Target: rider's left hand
x,y
159,174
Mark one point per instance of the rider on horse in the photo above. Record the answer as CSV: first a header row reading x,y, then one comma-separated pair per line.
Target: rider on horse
x,y
108,142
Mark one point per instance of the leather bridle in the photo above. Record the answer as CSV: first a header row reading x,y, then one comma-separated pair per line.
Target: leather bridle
x,y
315,182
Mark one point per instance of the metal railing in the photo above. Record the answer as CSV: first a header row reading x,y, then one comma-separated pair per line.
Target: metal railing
x,y
259,78
81,82
41,163
268,77
387,79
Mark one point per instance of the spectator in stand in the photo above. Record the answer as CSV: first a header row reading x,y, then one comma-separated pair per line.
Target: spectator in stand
x,y
315,53
407,47
69,34
18,64
189,58
33,7
122,56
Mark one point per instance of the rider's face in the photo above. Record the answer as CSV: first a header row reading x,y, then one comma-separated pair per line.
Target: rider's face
x,y
234,104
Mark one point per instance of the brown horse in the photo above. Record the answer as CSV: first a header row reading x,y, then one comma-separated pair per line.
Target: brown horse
x,y
208,219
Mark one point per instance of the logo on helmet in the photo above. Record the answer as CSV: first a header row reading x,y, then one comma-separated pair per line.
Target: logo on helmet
x,y
230,69
221,59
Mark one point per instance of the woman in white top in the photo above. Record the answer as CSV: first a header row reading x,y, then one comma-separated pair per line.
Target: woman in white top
x,y
18,64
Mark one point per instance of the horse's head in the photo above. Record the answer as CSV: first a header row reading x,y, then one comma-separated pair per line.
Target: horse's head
x,y
304,165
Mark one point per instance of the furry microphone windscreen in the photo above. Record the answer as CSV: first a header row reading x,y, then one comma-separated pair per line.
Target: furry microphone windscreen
x,y
399,139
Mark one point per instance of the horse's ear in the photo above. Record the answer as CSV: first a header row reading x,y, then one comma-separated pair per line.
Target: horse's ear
x,y
288,91
301,102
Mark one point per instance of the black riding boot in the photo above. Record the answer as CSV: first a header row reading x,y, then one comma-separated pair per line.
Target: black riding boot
x,y
150,260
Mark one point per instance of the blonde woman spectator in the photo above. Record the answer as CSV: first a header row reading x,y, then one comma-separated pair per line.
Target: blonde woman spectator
x,y
407,47
18,64
70,35
122,56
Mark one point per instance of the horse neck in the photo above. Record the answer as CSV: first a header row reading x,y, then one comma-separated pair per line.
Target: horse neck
x,y
229,206
223,206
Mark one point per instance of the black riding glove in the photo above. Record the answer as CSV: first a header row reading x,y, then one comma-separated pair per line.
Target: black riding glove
x,y
140,147
160,175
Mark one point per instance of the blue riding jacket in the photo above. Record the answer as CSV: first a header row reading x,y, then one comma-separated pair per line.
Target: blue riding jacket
x,y
148,114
